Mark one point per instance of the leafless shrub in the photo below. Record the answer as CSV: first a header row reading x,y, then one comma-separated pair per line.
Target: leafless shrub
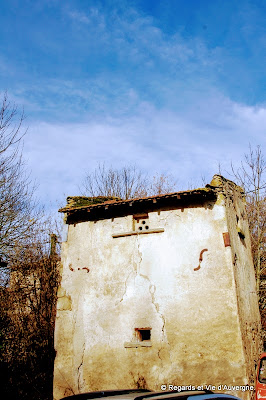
x,y
18,209
28,314
126,183
28,273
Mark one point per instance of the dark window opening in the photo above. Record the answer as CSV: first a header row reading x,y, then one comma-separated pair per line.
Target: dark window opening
x,y
143,334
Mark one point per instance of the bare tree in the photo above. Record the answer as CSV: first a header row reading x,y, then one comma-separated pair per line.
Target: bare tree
x,y
18,211
125,183
28,297
10,124
27,317
161,184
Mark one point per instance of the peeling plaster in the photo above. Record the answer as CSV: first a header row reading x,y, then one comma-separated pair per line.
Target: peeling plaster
x,y
204,325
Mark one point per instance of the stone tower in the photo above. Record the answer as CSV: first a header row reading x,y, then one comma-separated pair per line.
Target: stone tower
x,y
157,290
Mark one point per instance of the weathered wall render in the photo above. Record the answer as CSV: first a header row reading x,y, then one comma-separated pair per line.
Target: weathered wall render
x,y
170,303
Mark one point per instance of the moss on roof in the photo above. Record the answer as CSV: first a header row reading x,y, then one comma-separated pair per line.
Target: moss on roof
x,y
83,201
78,207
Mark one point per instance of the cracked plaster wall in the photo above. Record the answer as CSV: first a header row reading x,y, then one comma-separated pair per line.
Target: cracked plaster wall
x,y
149,281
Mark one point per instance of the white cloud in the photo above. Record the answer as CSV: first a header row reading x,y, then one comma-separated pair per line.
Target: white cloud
x,y
137,63
150,98
135,38
188,146
93,17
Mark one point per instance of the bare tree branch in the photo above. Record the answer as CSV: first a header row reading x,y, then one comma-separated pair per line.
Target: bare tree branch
x,y
126,183
18,209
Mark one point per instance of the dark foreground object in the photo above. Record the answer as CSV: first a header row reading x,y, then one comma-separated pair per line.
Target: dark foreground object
x,y
142,394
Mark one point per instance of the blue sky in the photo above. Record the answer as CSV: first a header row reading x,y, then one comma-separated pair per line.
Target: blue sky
x,y
173,86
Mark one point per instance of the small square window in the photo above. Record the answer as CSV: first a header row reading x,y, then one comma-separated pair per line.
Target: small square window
x,y
143,334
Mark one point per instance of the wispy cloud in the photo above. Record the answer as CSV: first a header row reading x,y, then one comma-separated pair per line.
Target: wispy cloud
x,y
132,38
187,147
125,60
92,17
111,83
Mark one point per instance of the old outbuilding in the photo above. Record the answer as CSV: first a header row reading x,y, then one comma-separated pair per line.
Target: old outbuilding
x,y
157,291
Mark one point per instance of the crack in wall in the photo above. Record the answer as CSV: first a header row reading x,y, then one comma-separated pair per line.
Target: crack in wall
x,y
159,354
125,289
139,255
68,387
152,290
80,371
127,279
75,330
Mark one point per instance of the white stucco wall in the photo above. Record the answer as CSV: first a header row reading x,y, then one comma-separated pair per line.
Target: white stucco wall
x,y
111,286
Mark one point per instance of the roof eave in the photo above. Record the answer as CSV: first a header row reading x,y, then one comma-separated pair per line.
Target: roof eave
x,y
133,206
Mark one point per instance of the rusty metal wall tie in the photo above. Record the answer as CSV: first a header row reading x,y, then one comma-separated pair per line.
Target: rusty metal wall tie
x,y
200,259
